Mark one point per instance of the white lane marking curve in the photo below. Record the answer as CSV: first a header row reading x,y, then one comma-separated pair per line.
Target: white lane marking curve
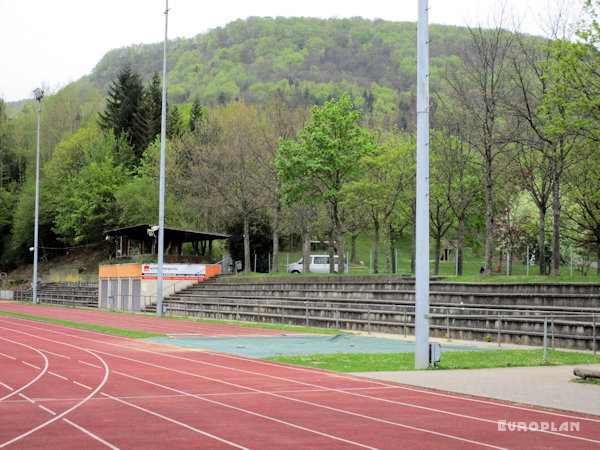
x,y
64,413
42,372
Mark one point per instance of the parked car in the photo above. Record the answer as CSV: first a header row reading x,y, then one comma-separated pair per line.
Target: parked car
x,y
318,264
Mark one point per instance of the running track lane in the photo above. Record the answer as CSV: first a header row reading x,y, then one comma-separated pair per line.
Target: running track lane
x,y
97,390
143,323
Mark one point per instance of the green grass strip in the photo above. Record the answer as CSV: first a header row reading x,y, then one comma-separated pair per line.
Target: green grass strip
x,y
268,326
377,362
85,326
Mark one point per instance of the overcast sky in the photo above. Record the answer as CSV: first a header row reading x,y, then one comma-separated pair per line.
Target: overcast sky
x,y
50,43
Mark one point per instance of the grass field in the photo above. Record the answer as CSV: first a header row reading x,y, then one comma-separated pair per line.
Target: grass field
x,y
471,266
364,362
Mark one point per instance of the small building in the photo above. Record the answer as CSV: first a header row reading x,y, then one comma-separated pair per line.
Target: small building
x,y
142,240
132,286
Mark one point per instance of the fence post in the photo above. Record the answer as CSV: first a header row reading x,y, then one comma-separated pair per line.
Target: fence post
x,y
552,329
545,338
237,311
499,325
306,306
337,317
447,324
594,333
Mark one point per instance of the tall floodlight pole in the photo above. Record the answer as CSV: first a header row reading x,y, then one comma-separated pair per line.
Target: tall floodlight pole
x,y
161,202
422,219
38,94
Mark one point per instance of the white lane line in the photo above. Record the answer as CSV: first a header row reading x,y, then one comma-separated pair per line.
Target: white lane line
x,y
42,372
90,364
82,385
6,386
56,354
322,387
57,375
400,386
330,408
47,410
184,425
8,356
31,365
74,407
253,413
27,398
435,410
92,435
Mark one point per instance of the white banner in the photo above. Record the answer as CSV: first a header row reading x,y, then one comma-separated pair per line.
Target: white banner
x,y
175,272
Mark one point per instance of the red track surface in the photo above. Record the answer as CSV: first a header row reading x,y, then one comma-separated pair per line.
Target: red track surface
x,y
68,388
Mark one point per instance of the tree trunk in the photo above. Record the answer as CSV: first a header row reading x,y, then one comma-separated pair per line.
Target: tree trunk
x,y
376,244
555,267
542,241
340,238
276,221
436,264
489,220
386,247
413,252
306,245
246,244
353,248
598,259
392,238
461,244
331,251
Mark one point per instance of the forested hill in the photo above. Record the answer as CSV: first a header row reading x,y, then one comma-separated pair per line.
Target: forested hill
x,y
310,59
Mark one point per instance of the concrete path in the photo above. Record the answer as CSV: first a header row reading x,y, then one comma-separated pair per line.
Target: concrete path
x,y
549,387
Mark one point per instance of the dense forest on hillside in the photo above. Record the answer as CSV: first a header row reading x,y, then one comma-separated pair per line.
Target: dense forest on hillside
x,y
305,128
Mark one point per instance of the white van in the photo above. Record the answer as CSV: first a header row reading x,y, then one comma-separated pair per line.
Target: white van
x,y
318,264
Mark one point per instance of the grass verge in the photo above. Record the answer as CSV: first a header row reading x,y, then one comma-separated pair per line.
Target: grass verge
x,y
586,381
378,362
85,326
268,326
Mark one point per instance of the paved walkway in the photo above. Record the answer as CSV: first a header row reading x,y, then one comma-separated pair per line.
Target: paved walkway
x,y
540,386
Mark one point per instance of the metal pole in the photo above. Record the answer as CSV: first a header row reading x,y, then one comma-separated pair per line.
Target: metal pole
x,y
571,267
527,262
499,326
594,333
306,306
39,95
552,329
545,338
447,325
161,202
507,262
422,200
396,261
456,261
370,261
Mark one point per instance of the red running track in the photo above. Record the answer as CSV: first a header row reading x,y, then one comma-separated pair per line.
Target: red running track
x,y
62,387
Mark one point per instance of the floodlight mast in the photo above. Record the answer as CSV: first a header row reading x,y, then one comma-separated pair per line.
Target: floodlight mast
x,y
422,216
161,202
38,95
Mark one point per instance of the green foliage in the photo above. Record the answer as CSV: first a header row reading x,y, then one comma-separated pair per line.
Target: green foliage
x,y
314,169
260,241
124,98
